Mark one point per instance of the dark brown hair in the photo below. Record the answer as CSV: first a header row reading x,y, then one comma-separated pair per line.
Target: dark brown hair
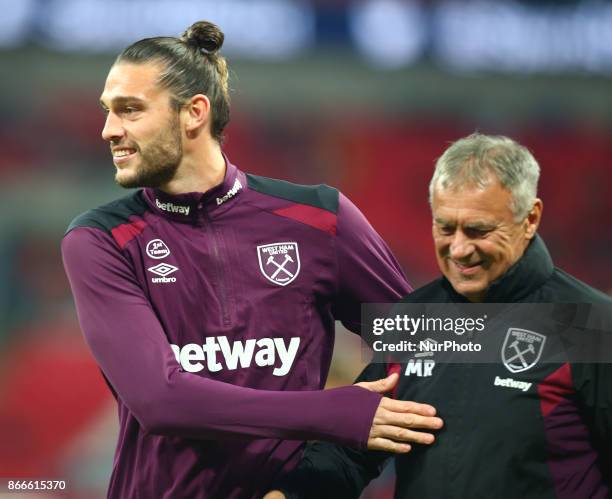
x,y
192,66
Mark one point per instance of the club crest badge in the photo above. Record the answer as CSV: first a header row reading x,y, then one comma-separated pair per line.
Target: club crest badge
x,y
279,262
522,349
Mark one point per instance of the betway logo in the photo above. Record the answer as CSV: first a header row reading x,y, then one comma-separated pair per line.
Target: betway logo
x,y
173,208
241,354
231,193
512,383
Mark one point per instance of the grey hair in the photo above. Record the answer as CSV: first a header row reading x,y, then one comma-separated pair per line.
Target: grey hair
x,y
471,161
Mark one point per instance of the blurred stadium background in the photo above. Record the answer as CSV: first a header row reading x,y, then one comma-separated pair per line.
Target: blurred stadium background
x,y
362,95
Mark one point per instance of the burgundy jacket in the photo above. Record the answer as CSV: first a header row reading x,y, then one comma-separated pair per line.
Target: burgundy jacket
x,y
212,318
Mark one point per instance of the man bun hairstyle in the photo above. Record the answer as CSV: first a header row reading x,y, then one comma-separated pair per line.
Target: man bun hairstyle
x,y
207,37
191,65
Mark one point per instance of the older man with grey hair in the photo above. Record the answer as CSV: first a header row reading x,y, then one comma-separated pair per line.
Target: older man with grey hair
x,y
552,438
485,211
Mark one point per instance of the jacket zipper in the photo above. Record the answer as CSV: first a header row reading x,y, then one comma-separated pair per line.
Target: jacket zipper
x,y
219,268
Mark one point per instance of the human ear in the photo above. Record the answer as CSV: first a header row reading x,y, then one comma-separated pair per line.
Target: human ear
x,y
196,115
532,221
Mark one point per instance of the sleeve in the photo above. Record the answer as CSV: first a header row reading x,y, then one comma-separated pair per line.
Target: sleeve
x,y
593,383
330,470
367,270
130,346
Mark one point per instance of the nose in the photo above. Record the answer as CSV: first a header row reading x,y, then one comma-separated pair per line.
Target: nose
x,y
461,248
113,129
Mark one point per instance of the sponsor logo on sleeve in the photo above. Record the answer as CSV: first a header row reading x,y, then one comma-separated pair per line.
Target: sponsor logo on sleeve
x,y
163,270
279,262
157,249
231,193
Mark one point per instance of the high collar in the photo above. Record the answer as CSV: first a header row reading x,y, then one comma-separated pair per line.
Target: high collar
x,y
189,206
521,279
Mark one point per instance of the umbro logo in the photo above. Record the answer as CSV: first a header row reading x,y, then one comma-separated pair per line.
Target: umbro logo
x,y
163,270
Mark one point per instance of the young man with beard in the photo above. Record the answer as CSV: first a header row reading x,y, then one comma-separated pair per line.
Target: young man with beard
x,y
208,297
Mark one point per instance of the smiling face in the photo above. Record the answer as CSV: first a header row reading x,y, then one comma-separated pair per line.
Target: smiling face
x,y
476,236
142,126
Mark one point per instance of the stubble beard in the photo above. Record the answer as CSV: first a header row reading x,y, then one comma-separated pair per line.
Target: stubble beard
x,y
159,161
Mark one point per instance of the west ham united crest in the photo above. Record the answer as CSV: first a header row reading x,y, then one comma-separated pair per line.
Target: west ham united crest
x,y
279,262
522,349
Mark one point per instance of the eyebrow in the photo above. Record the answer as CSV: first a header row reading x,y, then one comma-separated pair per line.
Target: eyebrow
x,y
479,226
122,100
469,225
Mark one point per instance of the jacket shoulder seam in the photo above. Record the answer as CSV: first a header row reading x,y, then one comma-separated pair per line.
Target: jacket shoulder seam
x,y
319,195
111,215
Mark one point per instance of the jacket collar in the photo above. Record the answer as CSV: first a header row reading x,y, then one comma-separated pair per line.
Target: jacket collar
x,y
190,206
521,279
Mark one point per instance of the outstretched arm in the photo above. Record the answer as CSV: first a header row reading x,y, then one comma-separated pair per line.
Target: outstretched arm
x,y
131,347
330,470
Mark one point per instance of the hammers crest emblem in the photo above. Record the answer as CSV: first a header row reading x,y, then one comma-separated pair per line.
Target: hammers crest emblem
x,y
522,349
279,262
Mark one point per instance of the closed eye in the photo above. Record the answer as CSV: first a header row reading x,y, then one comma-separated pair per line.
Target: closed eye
x,y
446,230
476,233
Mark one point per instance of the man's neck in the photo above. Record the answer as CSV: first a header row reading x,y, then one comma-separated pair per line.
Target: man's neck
x,y
198,173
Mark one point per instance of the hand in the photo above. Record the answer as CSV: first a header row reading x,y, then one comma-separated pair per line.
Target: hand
x,y
274,494
394,419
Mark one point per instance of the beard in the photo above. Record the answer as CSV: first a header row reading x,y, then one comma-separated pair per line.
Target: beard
x,y
159,161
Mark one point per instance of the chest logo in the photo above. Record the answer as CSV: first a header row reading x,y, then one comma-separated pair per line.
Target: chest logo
x,y
163,270
157,249
279,262
522,349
